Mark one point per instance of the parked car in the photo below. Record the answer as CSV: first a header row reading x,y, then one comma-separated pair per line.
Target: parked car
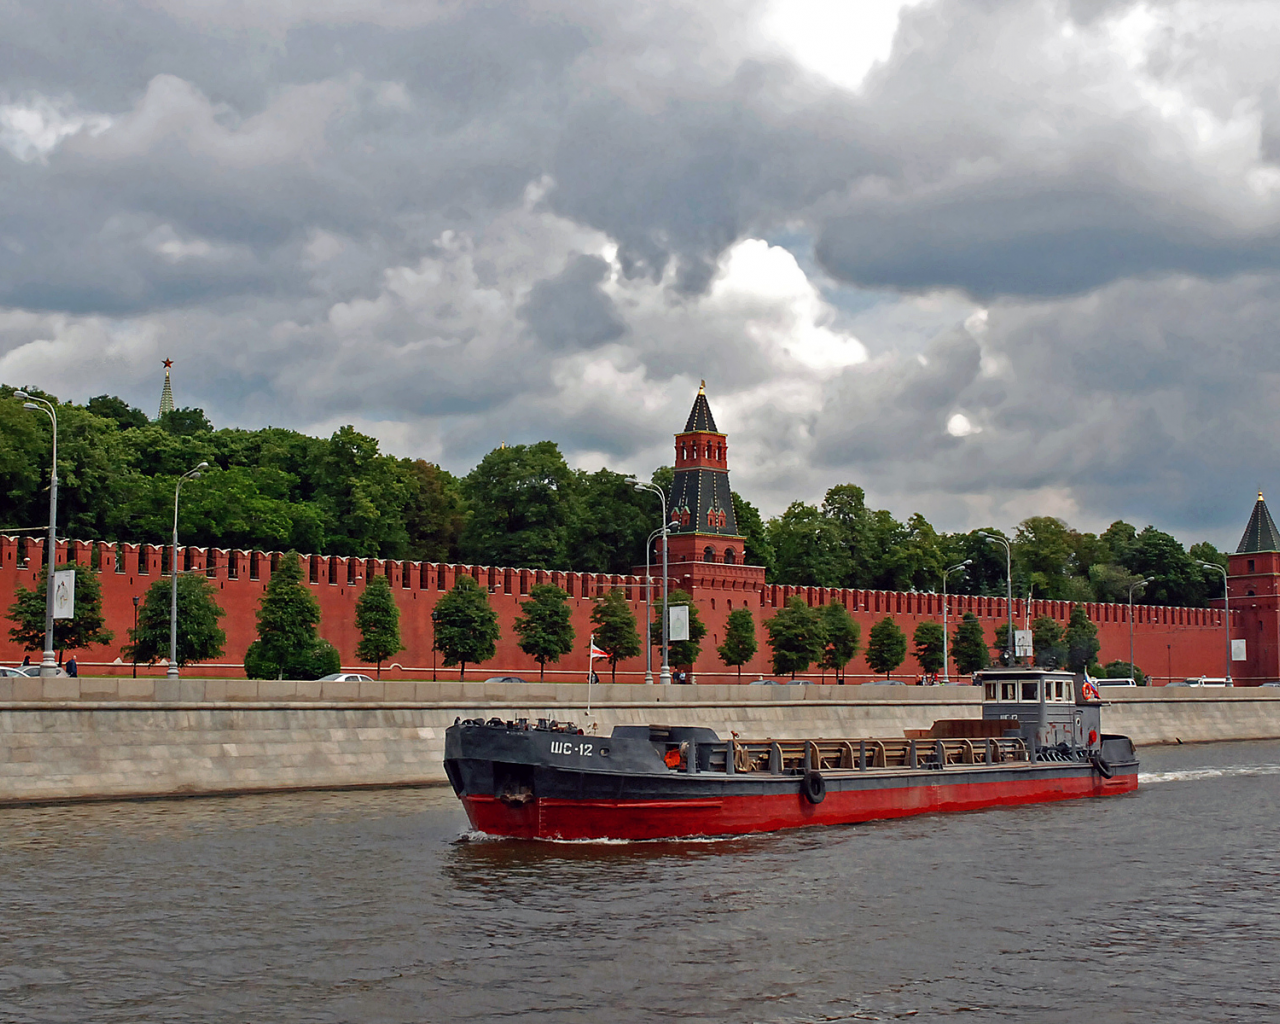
x,y
886,682
8,673
1116,682
777,682
1274,685
346,677
1204,681
33,671
505,679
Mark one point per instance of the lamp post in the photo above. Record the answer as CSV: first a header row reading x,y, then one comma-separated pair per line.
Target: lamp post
x,y
135,636
191,474
665,676
48,667
1226,612
648,608
1139,583
946,672
1008,579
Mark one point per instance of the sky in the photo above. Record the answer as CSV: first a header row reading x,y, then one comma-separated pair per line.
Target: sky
x,y
987,259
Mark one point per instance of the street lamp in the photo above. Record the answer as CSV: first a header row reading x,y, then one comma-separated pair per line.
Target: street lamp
x,y
135,636
665,675
191,474
648,608
1008,579
48,667
1139,583
1226,612
946,672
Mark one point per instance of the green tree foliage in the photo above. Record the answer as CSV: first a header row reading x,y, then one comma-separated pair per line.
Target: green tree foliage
x,y
521,501
1080,641
434,513
288,646
544,627
808,547
1047,642
757,550
842,636
739,645
378,619
199,637
681,652
466,627
186,422
928,639
969,646
609,520
615,629
796,637
117,410
86,628
1123,670
886,646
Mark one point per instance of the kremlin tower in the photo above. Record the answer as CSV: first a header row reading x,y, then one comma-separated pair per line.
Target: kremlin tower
x,y
166,396
704,526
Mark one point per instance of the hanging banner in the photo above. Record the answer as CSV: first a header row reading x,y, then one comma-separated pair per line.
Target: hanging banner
x,y
1238,650
64,594
1022,643
678,622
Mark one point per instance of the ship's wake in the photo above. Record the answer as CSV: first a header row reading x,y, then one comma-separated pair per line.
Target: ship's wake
x,y
1198,774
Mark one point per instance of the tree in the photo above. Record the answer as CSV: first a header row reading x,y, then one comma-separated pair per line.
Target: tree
x,y
186,422
928,639
609,523
86,627
615,629
288,645
1047,642
886,646
378,620
681,652
1080,641
521,501
756,549
466,628
434,513
545,631
1123,670
199,637
796,636
808,547
739,645
969,646
109,407
842,638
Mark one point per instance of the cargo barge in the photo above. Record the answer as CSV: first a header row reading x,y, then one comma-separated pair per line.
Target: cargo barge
x,y
1039,740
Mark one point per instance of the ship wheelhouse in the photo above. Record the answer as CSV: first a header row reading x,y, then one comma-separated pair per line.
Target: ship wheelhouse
x,y
1048,708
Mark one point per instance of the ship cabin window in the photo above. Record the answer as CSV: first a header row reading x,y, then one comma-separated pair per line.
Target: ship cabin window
x,y
991,691
1029,693
1008,691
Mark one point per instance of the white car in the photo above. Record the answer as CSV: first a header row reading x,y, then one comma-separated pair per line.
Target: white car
x,y
346,677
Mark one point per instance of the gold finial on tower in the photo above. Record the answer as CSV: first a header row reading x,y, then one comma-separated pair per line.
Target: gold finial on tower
x,y
702,389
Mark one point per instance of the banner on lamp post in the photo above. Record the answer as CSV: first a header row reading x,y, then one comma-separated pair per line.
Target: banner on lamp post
x,y
1238,650
64,594
678,622
1022,643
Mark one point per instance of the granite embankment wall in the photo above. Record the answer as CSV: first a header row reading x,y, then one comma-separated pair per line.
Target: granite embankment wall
x,y
62,748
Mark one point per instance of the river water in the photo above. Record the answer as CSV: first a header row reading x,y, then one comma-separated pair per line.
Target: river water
x,y
366,907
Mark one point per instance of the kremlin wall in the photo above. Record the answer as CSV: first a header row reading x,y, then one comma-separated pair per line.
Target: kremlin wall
x,y
705,560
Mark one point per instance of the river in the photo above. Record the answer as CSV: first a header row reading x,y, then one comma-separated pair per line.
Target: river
x,y
367,907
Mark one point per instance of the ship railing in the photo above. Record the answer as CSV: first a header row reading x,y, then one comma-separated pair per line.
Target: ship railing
x,y
781,757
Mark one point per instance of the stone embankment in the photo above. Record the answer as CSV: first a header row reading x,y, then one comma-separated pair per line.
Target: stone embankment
x,y
64,739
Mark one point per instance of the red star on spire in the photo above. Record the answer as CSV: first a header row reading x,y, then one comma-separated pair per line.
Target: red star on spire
x,y
168,363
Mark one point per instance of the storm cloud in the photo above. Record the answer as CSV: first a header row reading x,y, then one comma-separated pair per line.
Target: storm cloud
x,y
986,259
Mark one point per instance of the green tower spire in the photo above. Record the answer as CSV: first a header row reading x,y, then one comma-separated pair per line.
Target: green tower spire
x,y
166,396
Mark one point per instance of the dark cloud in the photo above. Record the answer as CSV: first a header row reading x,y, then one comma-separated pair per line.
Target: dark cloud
x,y
570,311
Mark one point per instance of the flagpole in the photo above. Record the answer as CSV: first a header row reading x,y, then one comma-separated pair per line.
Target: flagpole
x,y
591,668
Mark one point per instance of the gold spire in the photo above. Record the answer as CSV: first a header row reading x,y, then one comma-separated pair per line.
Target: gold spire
x,y
702,389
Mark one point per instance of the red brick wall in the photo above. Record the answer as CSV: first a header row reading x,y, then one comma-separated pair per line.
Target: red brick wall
x,y
1167,641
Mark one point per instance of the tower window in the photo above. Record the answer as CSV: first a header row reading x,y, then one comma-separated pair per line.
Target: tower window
x,y
708,554
1251,565
728,556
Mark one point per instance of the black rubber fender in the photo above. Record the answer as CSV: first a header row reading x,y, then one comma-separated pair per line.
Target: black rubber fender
x,y
1103,766
814,787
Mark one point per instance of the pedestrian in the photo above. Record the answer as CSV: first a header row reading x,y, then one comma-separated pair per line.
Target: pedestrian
x,y
26,661
73,669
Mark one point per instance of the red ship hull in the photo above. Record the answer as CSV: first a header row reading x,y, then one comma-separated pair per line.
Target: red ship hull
x,y
917,793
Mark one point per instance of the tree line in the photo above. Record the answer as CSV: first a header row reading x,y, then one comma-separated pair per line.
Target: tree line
x,y
277,489
466,631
